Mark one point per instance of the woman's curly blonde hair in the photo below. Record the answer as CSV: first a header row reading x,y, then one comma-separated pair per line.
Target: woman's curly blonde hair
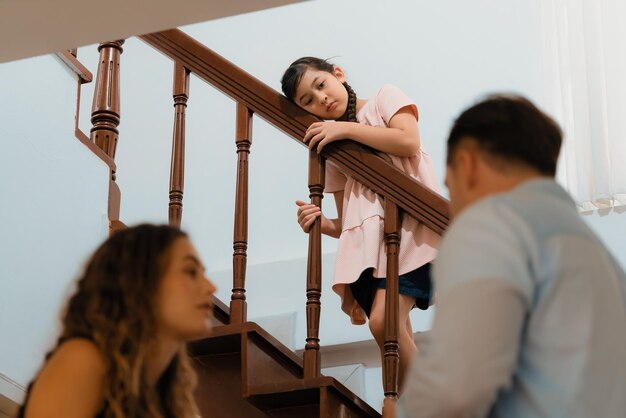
x,y
114,307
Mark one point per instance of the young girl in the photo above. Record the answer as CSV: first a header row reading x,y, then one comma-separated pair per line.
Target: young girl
x,y
388,123
121,353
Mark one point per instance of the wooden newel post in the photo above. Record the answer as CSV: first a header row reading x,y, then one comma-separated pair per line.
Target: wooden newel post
x,y
312,358
177,170
105,112
238,306
391,355
105,117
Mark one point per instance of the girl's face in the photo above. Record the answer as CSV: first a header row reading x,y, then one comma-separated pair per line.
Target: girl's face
x,y
322,93
184,296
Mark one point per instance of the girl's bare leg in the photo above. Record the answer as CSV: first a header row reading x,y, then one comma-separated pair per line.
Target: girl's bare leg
x,y
377,327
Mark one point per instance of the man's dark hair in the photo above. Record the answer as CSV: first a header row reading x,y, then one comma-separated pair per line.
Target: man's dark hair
x,y
510,128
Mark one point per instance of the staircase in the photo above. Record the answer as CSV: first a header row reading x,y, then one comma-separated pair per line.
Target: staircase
x,y
245,372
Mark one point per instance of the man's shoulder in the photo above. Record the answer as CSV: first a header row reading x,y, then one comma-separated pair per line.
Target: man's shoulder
x,y
540,206
491,210
487,241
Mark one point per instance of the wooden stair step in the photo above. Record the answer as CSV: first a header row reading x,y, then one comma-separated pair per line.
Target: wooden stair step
x,y
243,371
233,357
250,339
320,397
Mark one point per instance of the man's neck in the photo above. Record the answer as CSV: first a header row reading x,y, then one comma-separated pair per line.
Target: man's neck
x,y
498,182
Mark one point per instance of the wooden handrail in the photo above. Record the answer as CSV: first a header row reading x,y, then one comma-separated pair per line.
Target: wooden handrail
x,y
354,159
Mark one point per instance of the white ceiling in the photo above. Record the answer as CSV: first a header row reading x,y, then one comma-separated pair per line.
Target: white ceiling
x,y
35,27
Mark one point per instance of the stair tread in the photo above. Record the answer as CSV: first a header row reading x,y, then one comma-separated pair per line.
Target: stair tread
x,y
294,392
228,337
281,394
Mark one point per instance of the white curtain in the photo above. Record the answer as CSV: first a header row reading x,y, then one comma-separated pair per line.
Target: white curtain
x,y
585,90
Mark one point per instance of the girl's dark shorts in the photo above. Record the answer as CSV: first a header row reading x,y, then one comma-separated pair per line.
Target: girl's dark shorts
x,y
416,283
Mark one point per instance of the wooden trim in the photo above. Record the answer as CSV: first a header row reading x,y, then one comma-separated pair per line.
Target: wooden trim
x,y
356,160
80,135
116,225
221,311
11,396
84,75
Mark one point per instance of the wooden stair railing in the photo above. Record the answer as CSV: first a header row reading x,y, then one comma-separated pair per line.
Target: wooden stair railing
x,y
84,76
364,165
401,193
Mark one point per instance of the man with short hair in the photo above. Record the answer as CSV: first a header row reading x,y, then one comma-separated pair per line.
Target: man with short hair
x,y
530,317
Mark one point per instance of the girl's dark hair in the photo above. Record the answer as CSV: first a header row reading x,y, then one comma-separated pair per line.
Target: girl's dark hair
x,y
510,128
293,75
114,307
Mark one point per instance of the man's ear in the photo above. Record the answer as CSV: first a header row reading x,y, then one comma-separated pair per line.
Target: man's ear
x,y
339,74
467,166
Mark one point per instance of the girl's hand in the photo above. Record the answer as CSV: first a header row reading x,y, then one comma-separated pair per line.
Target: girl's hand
x,y
307,213
322,133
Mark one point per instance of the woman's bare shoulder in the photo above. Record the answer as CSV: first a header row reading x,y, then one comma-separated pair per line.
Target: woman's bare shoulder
x,y
71,383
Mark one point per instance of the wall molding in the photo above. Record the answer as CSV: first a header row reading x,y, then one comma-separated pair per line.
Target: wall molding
x,y
11,395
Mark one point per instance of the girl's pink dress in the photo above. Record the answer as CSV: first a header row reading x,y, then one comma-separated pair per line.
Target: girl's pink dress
x,y
361,243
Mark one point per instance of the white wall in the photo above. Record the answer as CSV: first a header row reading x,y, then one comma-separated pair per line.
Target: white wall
x,y
53,212
611,229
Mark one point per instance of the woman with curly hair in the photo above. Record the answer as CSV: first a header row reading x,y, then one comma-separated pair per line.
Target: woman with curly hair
x,y
121,353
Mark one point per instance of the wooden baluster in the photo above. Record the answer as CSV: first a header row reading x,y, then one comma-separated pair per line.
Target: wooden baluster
x,y
238,306
391,355
105,117
312,358
177,171
105,112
